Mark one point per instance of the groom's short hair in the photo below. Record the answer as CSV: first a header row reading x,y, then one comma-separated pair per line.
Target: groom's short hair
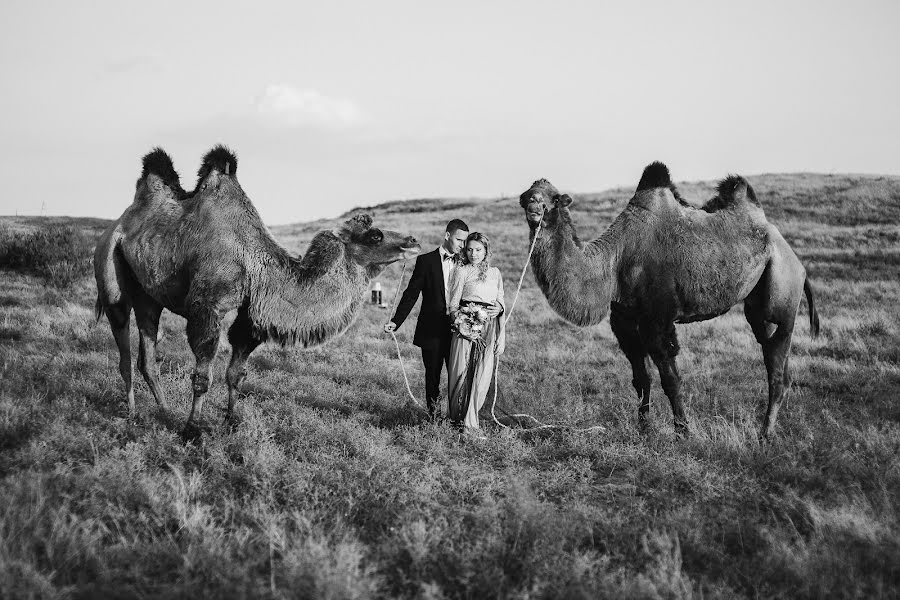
x,y
457,225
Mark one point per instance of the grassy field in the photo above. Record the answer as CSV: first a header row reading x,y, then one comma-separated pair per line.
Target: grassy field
x,y
332,486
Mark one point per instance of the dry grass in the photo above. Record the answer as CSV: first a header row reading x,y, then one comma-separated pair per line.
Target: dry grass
x,y
332,487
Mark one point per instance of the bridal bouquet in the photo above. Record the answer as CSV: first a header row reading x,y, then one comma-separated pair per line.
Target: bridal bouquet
x,y
470,322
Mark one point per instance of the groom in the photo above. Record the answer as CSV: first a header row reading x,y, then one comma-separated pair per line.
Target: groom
x,y
431,278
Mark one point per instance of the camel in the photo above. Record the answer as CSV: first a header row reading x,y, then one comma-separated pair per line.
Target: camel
x,y
662,262
205,253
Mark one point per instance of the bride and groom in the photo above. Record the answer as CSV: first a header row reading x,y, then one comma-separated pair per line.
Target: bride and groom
x,y
459,322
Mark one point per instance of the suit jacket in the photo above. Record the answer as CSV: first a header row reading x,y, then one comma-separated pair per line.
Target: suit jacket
x,y
427,279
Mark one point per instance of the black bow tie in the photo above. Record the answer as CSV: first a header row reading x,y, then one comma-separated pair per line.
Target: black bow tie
x,y
447,257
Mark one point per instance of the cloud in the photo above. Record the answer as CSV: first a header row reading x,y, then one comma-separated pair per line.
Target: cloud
x,y
287,105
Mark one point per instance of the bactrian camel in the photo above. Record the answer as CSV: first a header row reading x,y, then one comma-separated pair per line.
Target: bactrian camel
x,y
205,253
663,262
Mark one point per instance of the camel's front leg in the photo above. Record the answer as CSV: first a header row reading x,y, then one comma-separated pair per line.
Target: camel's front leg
x,y
203,337
663,346
626,332
243,343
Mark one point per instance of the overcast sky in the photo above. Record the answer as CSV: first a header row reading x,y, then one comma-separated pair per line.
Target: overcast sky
x,y
331,105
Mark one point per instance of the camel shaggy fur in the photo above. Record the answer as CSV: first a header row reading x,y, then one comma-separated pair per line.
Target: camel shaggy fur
x,y
205,253
663,262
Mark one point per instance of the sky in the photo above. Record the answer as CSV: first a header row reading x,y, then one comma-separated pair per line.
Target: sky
x,y
334,105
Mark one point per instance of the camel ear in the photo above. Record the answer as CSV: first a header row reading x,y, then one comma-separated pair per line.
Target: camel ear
x,y
562,200
359,222
354,226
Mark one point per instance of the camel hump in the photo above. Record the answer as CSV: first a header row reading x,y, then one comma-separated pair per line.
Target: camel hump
x,y
220,159
157,162
734,189
656,175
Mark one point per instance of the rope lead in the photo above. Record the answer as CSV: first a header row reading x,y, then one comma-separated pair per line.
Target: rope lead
x,y
397,344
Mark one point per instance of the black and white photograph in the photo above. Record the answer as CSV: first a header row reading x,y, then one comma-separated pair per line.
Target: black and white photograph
x,y
444,301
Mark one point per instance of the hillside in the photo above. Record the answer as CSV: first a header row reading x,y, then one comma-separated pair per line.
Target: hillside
x,y
332,486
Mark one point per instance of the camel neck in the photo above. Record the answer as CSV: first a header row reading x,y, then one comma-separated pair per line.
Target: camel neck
x,y
310,300
578,279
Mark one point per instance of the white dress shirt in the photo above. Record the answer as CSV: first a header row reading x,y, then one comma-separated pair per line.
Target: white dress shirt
x,y
447,266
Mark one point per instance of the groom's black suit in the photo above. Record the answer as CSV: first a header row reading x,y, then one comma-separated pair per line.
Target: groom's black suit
x,y
433,327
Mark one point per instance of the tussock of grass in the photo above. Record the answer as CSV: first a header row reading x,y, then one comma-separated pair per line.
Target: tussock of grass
x,y
61,253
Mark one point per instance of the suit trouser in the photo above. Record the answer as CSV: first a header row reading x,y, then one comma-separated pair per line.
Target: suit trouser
x,y
435,357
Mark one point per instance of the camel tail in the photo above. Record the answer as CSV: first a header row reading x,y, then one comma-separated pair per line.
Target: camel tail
x,y
158,163
813,314
656,175
220,159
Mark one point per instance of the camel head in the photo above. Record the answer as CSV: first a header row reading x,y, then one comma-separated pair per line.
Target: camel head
x,y
374,248
542,201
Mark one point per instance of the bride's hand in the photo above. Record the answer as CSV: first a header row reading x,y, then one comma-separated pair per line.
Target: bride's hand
x,y
493,311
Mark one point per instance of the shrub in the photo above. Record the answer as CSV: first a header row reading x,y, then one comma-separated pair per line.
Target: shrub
x,y
60,253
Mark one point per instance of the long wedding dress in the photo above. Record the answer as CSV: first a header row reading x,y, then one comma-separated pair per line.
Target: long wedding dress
x,y
472,364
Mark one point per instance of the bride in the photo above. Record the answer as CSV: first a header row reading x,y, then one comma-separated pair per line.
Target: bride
x,y
475,305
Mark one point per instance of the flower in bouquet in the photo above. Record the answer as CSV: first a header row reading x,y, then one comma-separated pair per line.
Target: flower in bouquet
x,y
470,322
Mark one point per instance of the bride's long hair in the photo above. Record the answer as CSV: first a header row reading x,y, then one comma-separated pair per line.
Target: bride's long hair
x,y
484,265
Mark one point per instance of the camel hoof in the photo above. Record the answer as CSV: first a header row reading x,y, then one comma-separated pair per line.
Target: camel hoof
x,y
644,425
192,434
229,423
682,431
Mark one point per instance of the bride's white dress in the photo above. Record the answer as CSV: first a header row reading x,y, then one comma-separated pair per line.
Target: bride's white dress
x,y
471,365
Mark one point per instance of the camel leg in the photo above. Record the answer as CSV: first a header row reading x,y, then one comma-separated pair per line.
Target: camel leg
x,y
243,343
775,355
787,373
663,347
776,299
119,316
775,339
630,342
146,313
771,309
203,338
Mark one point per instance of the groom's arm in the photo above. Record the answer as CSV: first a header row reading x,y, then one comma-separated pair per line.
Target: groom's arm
x,y
411,294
